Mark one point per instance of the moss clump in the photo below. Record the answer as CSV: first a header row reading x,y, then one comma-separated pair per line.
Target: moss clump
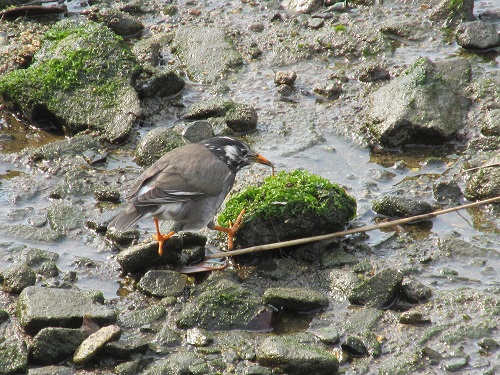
x,y
288,194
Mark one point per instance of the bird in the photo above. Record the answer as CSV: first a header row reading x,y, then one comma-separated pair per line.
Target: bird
x,y
188,185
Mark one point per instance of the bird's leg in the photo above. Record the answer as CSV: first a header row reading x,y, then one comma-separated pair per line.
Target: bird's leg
x,y
232,229
160,237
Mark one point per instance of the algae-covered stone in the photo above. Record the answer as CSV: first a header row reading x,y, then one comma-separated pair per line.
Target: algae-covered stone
x,y
162,283
18,277
13,352
222,304
484,183
79,79
295,358
396,206
142,316
378,291
287,206
53,344
427,105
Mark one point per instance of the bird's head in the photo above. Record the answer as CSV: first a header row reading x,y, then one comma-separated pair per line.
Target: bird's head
x,y
235,153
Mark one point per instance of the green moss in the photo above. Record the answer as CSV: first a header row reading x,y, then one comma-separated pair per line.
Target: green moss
x,y
289,194
340,28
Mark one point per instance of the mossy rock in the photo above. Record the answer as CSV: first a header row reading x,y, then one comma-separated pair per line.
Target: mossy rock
x,y
79,79
288,206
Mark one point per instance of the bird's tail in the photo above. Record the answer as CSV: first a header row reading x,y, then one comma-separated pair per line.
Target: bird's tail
x,y
126,219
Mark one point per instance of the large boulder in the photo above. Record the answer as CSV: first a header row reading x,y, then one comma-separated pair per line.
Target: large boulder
x,y
427,105
71,83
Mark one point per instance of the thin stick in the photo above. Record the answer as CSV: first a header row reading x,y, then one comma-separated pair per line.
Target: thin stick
x,y
302,241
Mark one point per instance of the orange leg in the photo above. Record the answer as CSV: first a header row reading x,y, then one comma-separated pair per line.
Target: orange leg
x,y
160,237
232,229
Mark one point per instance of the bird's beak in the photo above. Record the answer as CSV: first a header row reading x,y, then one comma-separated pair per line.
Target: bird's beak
x,y
258,158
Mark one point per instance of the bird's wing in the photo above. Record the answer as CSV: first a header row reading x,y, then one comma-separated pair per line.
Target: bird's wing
x,y
194,173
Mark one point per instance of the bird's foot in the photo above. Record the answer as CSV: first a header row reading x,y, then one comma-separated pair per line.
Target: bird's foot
x,y
161,238
232,229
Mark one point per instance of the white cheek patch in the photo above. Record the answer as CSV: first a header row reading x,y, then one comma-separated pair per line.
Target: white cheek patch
x,y
231,152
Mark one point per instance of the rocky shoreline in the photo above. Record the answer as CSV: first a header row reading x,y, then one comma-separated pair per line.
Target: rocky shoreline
x,y
102,89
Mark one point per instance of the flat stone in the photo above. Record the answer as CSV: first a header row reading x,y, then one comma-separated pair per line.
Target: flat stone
x,y
39,307
163,283
298,299
95,342
295,358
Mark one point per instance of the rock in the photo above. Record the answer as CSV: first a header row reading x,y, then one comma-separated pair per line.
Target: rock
x,y
93,344
179,363
297,299
455,363
341,282
401,207
379,291
256,370
64,218
488,344
287,206
477,35
220,305
208,108
414,291
13,352
158,83
291,357
450,13
104,193
301,6
198,337
52,370
316,23
198,131
71,84
167,337
373,73
206,52
483,183
17,278
447,191
121,23
128,348
328,335
285,77
163,283
330,91
145,255
52,345
413,317
426,105
492,126
34,313
241,118
355,347
155,144
141,317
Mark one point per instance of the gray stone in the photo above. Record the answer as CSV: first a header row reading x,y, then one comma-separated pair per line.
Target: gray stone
x,y
18,277
378,291
294,358
413,317
140,317
35,257
206,52
426,105
155,144
52,345
297,299
414,291
167,337
95,343
241,118
163,283
126,349
158,83
455,363
198,131
39,307
64,217
447,191
179,363
477,35
398,206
